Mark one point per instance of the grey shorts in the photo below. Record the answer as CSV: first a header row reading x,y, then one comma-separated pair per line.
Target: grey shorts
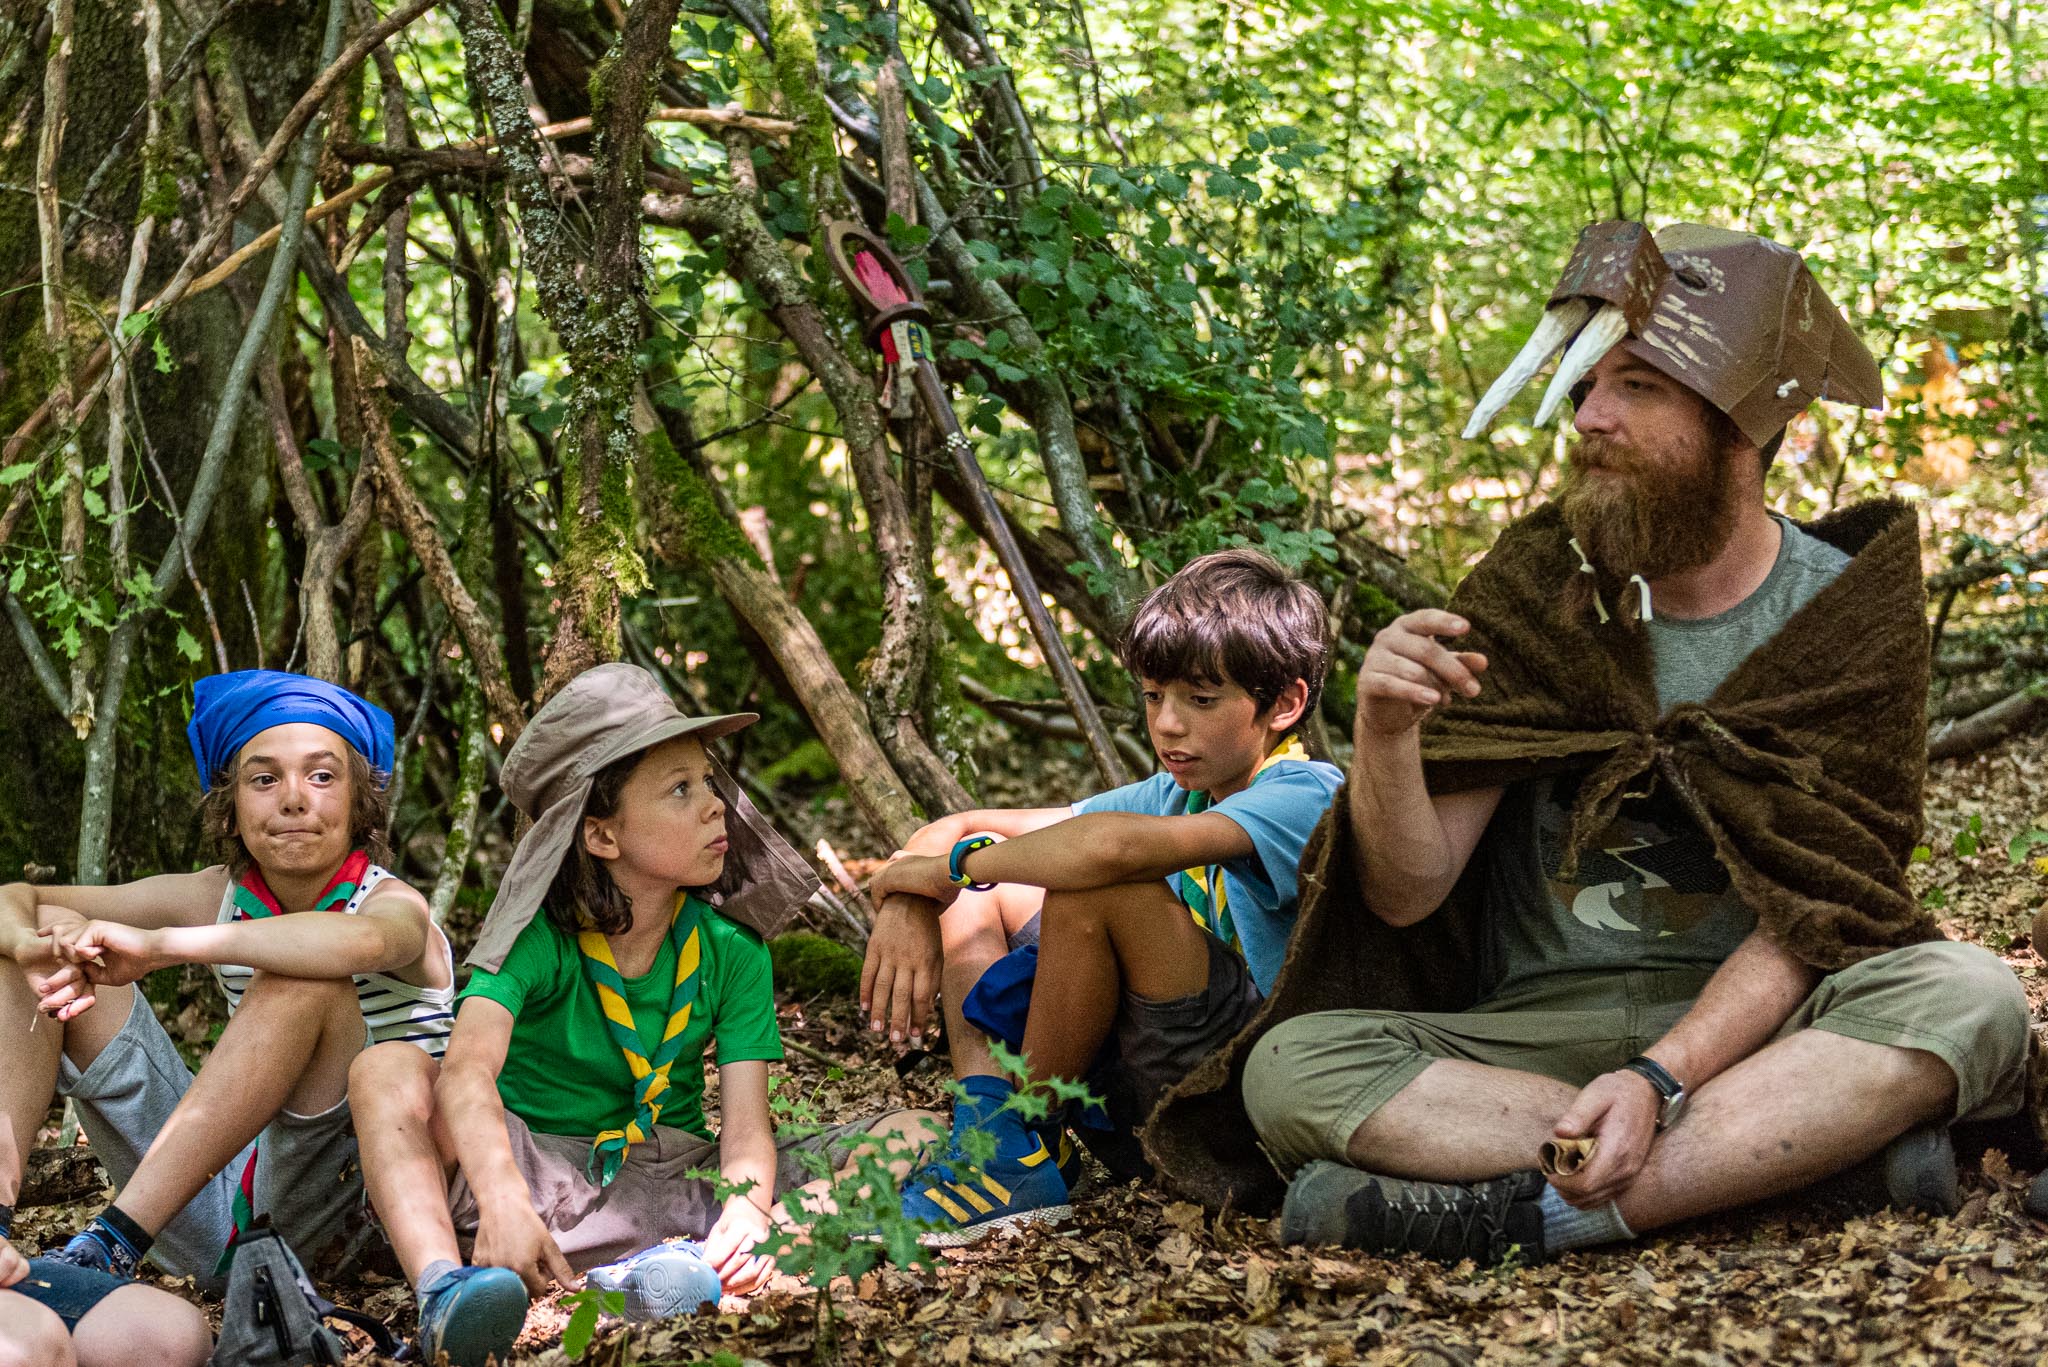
x,y
308,1179
1157,1043
653,1197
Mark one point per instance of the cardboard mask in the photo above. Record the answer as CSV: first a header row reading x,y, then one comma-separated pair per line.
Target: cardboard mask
x,y
1736,318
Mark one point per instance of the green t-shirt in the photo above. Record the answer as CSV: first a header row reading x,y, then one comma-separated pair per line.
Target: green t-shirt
x,y
564,1075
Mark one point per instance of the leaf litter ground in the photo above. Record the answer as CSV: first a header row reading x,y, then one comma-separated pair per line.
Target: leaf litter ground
x,y
1139,1278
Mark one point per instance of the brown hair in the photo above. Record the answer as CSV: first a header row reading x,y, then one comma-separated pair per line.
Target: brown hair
x,y
583,896
1234,616
369,812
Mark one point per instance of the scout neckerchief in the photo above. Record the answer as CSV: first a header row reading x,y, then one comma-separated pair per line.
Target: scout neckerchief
x,y
649,1065
1201,889
254,901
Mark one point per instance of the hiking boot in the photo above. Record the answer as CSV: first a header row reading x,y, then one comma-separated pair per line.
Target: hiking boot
x,y
668,1279
965,1204
472,1314
1331,1203
1920,1171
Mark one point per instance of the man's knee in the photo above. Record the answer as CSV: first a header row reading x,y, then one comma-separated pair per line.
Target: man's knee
x,y
1285,1091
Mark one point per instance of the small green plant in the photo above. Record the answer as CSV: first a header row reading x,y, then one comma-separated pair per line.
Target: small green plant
x,y
585,1307
1970,836
2024,844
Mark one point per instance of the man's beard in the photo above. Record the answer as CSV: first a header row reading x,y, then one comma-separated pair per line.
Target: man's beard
x,y
1653,521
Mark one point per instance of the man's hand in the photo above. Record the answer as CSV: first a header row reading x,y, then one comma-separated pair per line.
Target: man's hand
x,y
730,1247
1619,1109
1408,671
13,1267
509,1234
110,952
900,974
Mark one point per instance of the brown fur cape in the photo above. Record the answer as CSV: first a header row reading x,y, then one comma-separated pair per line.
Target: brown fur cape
x,y
1804,768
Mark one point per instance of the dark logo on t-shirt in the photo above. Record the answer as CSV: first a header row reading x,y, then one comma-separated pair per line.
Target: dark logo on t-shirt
x,y
1638,876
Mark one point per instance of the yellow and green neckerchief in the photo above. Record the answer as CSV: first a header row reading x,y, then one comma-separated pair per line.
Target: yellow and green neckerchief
x,y
650,1066
1201,889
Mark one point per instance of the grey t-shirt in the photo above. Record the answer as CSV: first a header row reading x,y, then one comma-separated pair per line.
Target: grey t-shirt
x,y
1648,892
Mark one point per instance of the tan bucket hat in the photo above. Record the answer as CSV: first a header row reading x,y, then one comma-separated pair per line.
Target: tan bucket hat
x,y
602,715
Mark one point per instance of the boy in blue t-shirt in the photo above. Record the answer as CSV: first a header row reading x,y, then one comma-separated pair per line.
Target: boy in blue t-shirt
x,y
1159,911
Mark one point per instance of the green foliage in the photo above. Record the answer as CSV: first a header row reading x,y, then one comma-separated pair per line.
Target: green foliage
x,y
585,1307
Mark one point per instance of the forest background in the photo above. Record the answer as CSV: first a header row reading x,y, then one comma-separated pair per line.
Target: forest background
x,y
444,350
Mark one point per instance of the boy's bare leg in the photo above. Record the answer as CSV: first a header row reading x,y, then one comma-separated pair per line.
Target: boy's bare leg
x,y
31,1335
975,932
28,1081
407,1153
1093,947
142,1324
288,1047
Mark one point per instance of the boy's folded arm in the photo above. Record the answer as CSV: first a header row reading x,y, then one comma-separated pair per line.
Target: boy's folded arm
x,y
168,899
466,1095
388,932
1099,849
940,836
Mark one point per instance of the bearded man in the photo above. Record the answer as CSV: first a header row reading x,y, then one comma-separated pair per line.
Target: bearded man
x,y
1617,887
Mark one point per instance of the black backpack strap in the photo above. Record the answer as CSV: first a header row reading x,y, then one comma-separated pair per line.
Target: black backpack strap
x,y
379,1332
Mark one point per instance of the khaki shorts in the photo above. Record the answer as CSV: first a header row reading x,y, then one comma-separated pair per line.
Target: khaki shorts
x,y
653,1197
1310,1082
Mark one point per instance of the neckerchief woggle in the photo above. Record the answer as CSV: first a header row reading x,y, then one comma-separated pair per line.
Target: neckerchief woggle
x,y
254,901
1201,889
649,1066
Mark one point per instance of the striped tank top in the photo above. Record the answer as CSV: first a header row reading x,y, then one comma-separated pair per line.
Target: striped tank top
x,y
393,1009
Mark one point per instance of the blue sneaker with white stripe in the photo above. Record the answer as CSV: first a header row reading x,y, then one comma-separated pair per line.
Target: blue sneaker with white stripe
x,y
1022,1185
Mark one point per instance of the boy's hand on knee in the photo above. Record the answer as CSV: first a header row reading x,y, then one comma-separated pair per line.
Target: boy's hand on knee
x,y
13,1267
64,994
899,976
1619,1110
513,1236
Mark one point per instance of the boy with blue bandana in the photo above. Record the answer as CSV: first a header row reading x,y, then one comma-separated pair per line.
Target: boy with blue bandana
x,y
1122,939
293,769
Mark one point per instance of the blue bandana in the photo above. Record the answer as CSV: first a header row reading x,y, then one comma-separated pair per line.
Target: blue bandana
x,y
227,709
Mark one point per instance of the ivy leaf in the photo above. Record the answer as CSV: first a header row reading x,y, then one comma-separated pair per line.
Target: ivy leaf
x,y
2021,845
15,474
188,646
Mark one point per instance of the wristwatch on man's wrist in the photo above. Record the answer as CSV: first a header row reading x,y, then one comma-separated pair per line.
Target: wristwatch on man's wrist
x,y
1669,1088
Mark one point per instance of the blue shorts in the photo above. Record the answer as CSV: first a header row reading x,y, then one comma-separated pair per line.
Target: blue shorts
x,y
70,1291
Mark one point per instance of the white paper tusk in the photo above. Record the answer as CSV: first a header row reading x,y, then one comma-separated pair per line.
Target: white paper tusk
x,y
1553,330
1609,326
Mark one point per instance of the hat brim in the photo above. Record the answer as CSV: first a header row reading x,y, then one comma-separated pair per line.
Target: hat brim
x,y
632,740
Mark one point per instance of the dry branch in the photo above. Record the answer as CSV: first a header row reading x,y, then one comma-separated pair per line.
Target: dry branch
x,y
402,509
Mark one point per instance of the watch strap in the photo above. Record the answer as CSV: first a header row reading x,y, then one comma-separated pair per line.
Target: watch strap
x,y
1667,1086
